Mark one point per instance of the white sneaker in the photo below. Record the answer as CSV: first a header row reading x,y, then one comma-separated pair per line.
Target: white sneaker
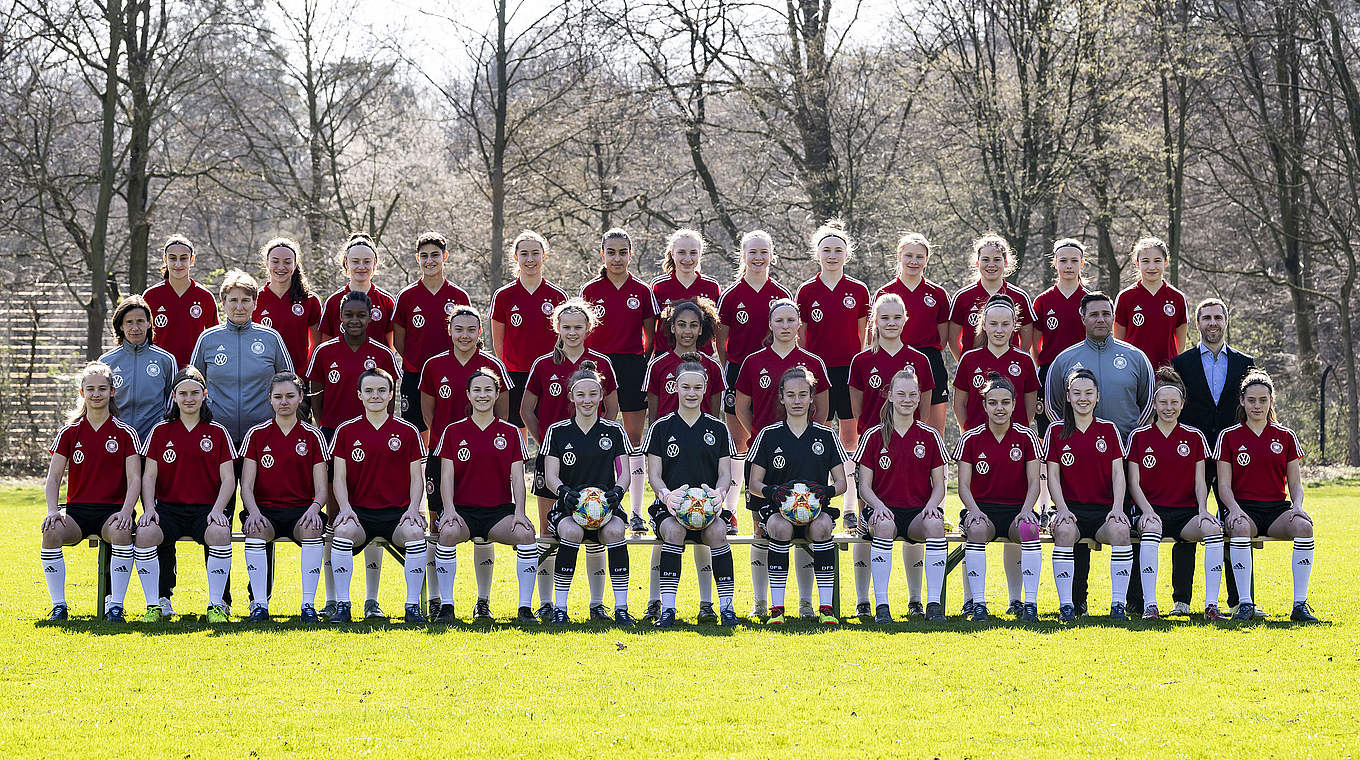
x,y
1181,608
166,609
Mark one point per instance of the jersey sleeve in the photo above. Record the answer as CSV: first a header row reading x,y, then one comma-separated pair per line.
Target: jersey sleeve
x,y
319,451
651,381
1295,450
415,445
611,382
819,373
726,446
862,307
1048,443
942,304
757,455
402,310
210,312
938,456
552,445
925,377
961,373
963,450
498,307
1029,375
856,374
250,445
428,385
1217,453
62,443
650,442
310,372
958,310
1122,305
1182,310
744,380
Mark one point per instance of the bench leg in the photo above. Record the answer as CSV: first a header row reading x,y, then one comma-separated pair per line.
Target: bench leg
x,y
954,560
102,572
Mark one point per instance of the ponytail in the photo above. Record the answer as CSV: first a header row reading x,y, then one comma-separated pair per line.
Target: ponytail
x,y
580,306
1069,415
1256,377
668,260
614,233
886,413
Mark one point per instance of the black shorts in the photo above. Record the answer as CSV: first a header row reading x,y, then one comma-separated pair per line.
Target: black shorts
x,y
540,485
1041,416
516,396
1001,515
180,520
901,520
556,516
434,499
1263,513
938,374
838,395
1090,518
480,520
730,395
799,531
328,435
90,518
378,523
659,513
629,371
410,399
284,521
1174,519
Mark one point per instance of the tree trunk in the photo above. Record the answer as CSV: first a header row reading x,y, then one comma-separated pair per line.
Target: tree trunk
x,y
135,33
97,308
500,141
807,32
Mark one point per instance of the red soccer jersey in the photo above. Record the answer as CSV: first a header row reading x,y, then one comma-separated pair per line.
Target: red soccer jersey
x,y
1150,320
667,290
180,319
425,318
622,311
380,314
96,466
189,462
999,475
1084,461
927,309
745,312
293,321
284,462
1260,463
378,461
549,382
527,317
337,367
872,371
445,378
759,379
902,469
966,311
1167,464
660,379
481,461
1014,365
831,317
1057,322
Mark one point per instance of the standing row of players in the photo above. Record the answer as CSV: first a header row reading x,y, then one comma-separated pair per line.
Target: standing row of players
x,y
541,339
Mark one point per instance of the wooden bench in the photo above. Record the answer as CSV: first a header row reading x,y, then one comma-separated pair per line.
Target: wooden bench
x,y
843,542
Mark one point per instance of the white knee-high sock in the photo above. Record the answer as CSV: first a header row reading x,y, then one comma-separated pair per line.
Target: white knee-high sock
x,y
54,570
635,465
373,562
257,570
654,576
975,556
219,570
1147,562
760,571
734,492
914,562
1303,567
1213,568
1121,567
1031,566
1064,567
484,563
526,570
342,567
967,587
445,570
120,571
414,567
880,566
312,549
859,553
595,572
148,565
936,555
703,572
1239,554
1010,558
802,559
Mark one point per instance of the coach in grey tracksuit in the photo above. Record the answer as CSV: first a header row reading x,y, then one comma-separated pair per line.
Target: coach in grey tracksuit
x,y
142,371
1125,379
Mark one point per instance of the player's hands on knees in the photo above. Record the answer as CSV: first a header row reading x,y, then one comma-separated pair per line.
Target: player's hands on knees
x,y
413,517
523,522
312,520
253,523
346,515
54,521
1029,518
451,520
1063,516
933,513
1295,513
1117,517
123,520
218,518
1236,518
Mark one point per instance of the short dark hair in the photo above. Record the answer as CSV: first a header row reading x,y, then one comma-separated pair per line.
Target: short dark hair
x,y
126,305
1094,296
431,236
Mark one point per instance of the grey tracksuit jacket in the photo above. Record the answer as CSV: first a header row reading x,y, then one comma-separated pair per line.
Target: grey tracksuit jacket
x,y
238,361
1124,377
141,383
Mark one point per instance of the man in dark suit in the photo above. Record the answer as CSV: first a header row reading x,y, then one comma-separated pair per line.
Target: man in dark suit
x,y
1212,372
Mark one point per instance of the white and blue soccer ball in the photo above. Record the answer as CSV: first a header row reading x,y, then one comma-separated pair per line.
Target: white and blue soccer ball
x,y
696,508
801,507
592,510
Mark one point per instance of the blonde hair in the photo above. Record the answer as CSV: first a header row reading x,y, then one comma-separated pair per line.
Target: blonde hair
x,y
761,235
580,306
92,369
668,260
357,239
886,413
1145,243
993,239
234,279
528,235
873,316
910,238
832,228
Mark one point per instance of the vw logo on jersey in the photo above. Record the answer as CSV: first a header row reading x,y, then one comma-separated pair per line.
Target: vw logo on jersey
x,y
357,454
778,462
1120,361
919,450
1149,462
195,311
606,444
205,443
375,314
569,458
742,317
267,461
394,442
633,302
1014,369
974,318
299,309
500,442
547,307
875,381
978,381
670,387
1138,319
1243,458
464,454
816,315
764,381
848,302
445,391
516,320
709,438
111,446
161,320
257,347
219,359
981,467
554,389
1067,459
1183,449
1016,454
1276,447
168,456
818,448
672,451
370,364
78,457
418,320
1052,323
153,370
301,448
1101,446
929,300
333,376
118,379
266,321
1169,309
884,462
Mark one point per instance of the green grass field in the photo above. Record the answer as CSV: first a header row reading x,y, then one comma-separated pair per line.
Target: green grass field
x,y
186,690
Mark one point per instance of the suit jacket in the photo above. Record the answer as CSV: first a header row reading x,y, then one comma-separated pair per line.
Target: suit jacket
x,y
1200,410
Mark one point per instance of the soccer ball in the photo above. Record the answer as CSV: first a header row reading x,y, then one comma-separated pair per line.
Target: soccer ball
x,y
696,508
592,510
801,507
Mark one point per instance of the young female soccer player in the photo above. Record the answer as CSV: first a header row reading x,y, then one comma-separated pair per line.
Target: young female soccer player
x,y
547,401
378,485
181,309
287,303
481,460
521,317
98,454
1057,311
1151,313
359,257
420,323
1085,460
901,470
142,371
627,311
994,262
926,311
585,451
871,368
283,490
998,485
1262,491
997,355
187,484
798,450
1172,497
682,281
443,400
757,407
686,449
